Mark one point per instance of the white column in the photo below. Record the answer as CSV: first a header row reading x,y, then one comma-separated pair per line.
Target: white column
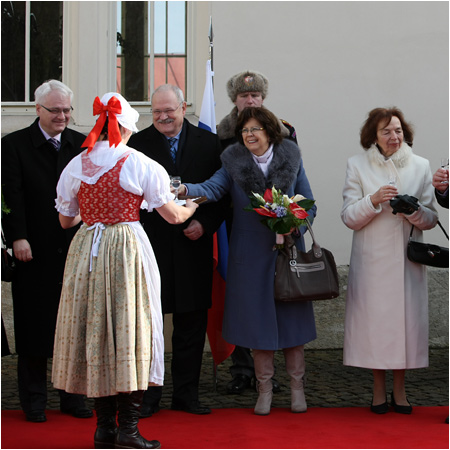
x,y
89,55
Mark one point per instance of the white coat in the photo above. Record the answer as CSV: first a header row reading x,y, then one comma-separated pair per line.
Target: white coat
x,y
386,318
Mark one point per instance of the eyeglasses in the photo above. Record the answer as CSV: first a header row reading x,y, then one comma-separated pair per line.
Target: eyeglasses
x,y
251,130
168,112
58,111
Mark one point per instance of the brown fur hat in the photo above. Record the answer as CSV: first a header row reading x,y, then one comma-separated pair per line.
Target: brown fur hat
x,y
248,81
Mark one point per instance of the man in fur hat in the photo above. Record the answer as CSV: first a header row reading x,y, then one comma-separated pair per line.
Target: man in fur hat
x,y
245,89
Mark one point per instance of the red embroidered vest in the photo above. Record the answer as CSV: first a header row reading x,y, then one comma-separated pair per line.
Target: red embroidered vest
x,y
106,201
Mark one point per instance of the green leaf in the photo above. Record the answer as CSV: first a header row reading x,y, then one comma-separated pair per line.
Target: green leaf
x,y
306,203
5,209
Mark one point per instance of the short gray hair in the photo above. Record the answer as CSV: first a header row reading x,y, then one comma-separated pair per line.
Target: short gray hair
x,y
51,85
170,87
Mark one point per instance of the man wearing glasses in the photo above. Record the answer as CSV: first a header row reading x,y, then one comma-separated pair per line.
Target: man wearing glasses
x,y
183,252
32,161
246,90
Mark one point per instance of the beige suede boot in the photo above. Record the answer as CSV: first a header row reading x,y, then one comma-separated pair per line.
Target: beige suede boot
x,y
264,370
295,367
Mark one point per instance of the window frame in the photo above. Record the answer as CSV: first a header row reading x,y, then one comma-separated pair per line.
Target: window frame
x,y
142,106
27,108
28,105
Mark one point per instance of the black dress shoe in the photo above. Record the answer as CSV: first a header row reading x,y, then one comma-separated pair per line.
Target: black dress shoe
x,y
239,384
402,409
194,407
80,412
380,409
147,410
36,416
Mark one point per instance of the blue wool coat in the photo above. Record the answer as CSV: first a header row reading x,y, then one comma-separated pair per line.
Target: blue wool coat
x,y
252,318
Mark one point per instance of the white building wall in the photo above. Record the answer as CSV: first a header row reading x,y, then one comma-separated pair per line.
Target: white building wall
x,y
328,65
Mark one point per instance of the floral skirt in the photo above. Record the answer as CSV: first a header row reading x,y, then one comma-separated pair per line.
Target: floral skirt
x,y
105,332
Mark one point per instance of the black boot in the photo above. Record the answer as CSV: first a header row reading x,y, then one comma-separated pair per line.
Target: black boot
x,y
128,435
105,434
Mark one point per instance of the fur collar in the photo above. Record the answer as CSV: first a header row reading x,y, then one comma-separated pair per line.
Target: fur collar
x,y
283,169
227,126
400,158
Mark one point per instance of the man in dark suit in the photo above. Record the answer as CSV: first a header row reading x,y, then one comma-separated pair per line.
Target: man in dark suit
x,y
32,161
440,184
183,252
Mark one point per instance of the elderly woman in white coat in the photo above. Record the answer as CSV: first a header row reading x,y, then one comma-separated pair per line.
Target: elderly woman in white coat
x,y
386,319
252,318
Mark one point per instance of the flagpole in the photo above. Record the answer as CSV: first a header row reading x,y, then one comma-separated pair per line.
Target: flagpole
x,y
211,56
211,44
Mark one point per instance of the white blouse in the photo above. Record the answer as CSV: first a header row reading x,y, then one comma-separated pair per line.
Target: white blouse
x,y
139,175
264,161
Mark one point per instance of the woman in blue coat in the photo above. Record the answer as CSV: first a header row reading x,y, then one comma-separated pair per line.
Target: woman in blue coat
x,y
261,159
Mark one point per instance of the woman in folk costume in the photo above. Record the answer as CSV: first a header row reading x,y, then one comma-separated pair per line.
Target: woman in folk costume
x,y
109,341
386,317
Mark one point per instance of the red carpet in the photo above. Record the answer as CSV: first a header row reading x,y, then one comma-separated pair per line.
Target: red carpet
x,y
240,428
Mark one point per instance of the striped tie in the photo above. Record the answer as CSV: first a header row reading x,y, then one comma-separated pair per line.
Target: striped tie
x,y
173,150
56,144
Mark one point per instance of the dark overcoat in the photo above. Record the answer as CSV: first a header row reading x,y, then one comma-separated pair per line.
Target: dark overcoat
x,y
186,266
252,318
30,171
442,199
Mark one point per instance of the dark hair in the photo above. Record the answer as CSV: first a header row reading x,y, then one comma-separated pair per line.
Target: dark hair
x,y
377,115
105,127
105,131
267,119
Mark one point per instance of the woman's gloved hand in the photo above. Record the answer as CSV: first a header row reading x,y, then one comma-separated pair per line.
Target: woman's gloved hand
x,y
405,204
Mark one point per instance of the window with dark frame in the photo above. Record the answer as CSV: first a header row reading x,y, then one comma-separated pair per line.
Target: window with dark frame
x,y
151,47
31,49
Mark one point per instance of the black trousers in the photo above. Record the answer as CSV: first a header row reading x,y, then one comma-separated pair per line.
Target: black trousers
x,y
32,381
188,342
242,362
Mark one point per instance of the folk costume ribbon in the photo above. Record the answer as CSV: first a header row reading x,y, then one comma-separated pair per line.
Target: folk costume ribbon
x,y
112,108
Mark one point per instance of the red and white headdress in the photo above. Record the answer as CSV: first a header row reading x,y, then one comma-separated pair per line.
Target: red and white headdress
x,y
118,110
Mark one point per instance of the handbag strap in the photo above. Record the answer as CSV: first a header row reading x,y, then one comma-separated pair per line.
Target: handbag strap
x,y
438,222
316,247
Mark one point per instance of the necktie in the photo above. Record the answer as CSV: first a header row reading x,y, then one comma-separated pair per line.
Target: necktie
x,y
173,150
56,144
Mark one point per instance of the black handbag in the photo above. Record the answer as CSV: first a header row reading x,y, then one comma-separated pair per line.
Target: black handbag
x,y
8,263
427,254
301,276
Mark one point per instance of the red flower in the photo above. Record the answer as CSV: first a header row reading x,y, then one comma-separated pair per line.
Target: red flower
x,y
298,211
268,197
265,212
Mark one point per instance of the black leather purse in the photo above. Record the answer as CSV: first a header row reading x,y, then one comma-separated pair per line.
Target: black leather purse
x,y
427,254
301,276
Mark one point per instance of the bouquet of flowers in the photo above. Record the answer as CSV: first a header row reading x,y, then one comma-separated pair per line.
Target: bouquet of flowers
x,y
280,213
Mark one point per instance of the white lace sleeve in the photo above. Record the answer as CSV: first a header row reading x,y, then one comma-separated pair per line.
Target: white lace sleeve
x,y
67,189
144,176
